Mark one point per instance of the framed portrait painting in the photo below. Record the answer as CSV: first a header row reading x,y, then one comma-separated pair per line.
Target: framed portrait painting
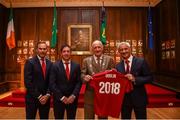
x,y
80,38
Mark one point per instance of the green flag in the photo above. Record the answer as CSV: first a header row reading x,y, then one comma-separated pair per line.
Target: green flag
x,y
103,26
54,28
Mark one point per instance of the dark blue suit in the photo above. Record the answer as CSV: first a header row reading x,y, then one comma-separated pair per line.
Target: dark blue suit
x,y
36,85
61,86
137,98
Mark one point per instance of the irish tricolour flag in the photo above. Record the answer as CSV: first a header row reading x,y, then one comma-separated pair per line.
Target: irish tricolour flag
x,y
10,36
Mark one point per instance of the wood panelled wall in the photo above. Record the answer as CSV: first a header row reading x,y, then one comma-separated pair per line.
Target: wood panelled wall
x,y
168,28
35,24
3,26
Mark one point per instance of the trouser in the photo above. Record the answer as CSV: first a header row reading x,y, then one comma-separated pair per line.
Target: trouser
x,y
126,111
32,105
89,112
60,107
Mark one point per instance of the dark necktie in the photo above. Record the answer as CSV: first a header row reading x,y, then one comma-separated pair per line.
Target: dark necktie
x,y
67,70
127,66
98,61
43,67
130,85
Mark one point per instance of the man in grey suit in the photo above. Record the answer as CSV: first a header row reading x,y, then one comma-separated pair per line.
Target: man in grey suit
x,y
96,63
137,71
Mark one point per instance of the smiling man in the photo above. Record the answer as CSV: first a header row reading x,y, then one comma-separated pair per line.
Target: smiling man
x,y
65,83
36,78
96,63
137,71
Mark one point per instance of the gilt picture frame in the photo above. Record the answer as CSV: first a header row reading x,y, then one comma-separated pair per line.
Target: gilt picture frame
x,y
80,38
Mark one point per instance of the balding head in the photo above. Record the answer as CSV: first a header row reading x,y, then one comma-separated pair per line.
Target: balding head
x,y
97,42
97,48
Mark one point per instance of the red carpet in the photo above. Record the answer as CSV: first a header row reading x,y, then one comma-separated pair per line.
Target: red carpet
x,y
158,97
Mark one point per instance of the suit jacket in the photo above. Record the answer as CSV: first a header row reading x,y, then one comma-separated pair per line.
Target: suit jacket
x,y
141,71
33,77
60,85
90,67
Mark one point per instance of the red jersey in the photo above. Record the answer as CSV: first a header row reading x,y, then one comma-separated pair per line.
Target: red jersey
x,y
109,88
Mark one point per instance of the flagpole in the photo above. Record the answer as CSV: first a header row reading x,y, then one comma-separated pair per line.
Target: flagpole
x,y
103,25
54,27
150,28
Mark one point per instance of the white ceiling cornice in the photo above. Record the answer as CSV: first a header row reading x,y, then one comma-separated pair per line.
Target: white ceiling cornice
x,y
79,3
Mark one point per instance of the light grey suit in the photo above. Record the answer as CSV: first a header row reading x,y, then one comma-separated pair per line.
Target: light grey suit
x,y
90,67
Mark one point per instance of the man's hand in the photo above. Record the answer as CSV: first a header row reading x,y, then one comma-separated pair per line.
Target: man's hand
x,y
65,100
71,99
43,99
87,78
130,77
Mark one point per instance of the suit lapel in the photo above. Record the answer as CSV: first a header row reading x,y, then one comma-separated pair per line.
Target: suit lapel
x,y
71,70
122,67
133,64
96,67
104,63
47,66
61,67
39,66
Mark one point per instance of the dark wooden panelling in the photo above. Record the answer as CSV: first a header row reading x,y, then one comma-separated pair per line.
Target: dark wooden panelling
x,y
125,23
91,16
167,25
131,23
25,29
3,21
167,31
113,23
25,23
178,36
66,17
44,24
3,28
167,28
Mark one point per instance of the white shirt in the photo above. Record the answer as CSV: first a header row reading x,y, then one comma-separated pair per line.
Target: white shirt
x,y
96,59
40,60
130,63
69,65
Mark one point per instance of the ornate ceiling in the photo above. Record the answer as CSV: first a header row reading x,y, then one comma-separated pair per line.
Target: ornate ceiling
x,y
79,3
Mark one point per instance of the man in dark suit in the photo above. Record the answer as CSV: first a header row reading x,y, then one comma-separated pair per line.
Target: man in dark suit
x,y
137,71
36,78
65,84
